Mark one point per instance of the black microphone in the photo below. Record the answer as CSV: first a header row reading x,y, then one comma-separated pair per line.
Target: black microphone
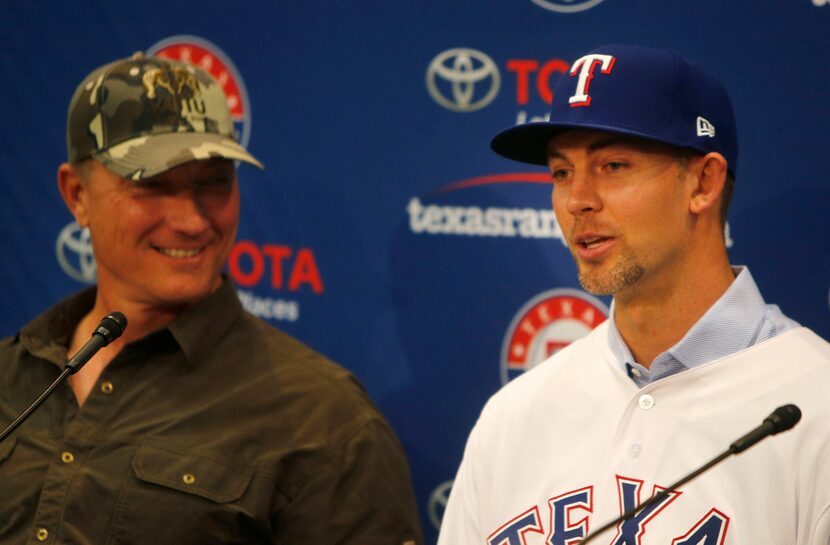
x,y
782,419
110,328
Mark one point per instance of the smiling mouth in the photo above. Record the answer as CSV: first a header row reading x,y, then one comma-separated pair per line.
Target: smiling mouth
x,y
179,253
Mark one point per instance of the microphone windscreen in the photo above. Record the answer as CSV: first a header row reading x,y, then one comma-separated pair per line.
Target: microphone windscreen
x,y
112,326
784,418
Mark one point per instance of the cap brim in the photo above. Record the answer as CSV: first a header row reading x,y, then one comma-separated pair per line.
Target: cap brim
x,y
526,143
147,156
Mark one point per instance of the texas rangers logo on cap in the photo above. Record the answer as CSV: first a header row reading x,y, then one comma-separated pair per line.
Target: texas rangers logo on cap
x,y
585,66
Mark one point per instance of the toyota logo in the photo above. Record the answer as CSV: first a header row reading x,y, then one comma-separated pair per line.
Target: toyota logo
x,y
566,6
463,80
438,502
74,252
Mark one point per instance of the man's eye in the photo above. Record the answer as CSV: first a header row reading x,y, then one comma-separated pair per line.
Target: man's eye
x,y
559,174
615,166
216,182
149,185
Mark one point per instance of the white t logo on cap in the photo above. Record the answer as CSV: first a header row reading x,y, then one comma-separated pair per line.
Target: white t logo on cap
x,y
585,66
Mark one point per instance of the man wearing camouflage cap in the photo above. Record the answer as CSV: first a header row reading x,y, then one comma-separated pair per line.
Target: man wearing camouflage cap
x,y
201,423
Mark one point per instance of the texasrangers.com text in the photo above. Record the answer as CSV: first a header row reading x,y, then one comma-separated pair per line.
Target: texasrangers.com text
x,y
436,219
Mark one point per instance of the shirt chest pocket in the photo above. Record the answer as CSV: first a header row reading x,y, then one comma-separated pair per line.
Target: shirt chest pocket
x,y
179,498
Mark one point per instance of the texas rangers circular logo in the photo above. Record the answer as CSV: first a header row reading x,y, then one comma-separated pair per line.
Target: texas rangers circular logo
x,y
463,79
546,324
210,58
566,6
73,249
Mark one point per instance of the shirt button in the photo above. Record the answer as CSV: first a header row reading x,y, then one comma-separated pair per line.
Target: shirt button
x,y
189,478
42,534
106,387
67,457
635,372
646,402
635,450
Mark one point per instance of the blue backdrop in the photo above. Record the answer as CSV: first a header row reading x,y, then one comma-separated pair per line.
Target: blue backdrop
x,y
384,232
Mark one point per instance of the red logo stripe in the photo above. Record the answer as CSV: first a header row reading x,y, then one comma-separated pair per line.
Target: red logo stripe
x,y
508,177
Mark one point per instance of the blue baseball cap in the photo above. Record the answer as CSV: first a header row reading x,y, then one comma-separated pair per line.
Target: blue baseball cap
x,y
650,93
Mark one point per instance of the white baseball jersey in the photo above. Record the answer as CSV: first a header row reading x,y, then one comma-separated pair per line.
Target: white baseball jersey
x,y
573,443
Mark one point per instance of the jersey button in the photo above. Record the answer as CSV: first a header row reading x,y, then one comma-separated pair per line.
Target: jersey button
x,y
646,402
42,534
635,450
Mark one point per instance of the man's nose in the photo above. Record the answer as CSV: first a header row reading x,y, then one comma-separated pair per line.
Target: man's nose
x,y
186,213
583,196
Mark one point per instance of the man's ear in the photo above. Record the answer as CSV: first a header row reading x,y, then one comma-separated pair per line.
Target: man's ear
x,y
74,192
710,172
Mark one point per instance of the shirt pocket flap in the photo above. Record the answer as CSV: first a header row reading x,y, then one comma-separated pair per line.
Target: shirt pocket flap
x,y
208,478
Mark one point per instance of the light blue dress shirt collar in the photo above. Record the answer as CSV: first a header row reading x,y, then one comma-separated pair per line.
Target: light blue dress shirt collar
x,y
739,319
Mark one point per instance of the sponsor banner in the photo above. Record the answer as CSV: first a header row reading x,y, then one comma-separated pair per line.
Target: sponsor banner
x,y
275,269
464,80
73,250
269,308
471,220
484,221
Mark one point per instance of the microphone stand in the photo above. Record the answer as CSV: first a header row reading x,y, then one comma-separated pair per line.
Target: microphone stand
x,y
38,402
659,496
783,418
110,328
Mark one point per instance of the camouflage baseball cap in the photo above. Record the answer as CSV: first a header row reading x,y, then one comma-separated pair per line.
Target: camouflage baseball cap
x,y
144,115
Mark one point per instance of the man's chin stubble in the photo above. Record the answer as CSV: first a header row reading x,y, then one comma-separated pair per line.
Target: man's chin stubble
x,y
624,274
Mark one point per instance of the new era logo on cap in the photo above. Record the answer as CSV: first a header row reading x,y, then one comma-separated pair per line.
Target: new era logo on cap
x,y
704,128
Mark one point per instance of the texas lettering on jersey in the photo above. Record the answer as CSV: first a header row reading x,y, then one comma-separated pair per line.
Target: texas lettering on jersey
x,y
566,528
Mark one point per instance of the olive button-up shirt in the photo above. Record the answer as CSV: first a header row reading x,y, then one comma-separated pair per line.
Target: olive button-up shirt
x,y
216,429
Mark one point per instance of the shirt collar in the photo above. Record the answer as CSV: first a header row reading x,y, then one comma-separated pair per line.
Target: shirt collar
x,y
730,325
48,335
196,330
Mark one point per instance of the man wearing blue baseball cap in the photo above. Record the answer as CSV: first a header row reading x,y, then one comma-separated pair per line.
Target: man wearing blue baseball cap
x,y
642,148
